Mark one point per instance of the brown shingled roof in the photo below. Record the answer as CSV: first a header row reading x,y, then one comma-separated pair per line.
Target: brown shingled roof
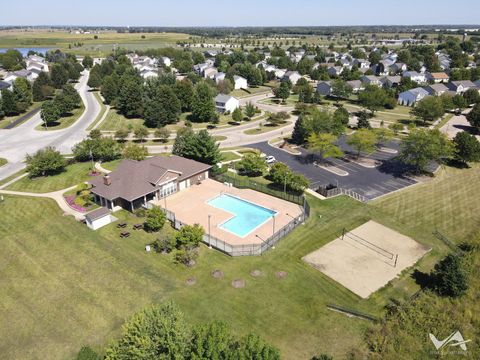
x,y
134,179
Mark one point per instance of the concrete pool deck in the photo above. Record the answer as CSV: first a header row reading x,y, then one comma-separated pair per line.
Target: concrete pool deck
x,y
190,207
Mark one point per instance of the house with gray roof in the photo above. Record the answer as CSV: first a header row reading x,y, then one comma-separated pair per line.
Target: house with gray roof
x,y
324,88
224,103
134,183
412,96
437,89
461,86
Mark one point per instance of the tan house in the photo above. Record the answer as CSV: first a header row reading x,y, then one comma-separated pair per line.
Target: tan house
x,y
135,183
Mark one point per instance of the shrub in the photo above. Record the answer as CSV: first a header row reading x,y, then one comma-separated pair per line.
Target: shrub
x,y
155,219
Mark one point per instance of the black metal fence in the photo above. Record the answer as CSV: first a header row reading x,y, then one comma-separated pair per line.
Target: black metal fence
x,y
328,191
243,183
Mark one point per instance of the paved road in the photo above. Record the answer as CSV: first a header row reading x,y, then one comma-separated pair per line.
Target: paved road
x,y
369,182
456,124
24,139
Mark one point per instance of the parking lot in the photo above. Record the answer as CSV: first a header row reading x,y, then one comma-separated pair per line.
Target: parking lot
x,y
368,182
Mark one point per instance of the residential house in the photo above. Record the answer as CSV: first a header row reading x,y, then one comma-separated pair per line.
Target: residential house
x,y
412,96
324,88
397,68
210,72
415,76
437,89
166,61
362,63
224,103
148,73
371,80
335,70
280,73
460,86
134,183
356,85
293,76
240,82
5,86
437,77
477,84
219,77
391,81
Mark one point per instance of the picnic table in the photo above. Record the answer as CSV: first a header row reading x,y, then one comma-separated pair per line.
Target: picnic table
x,y
122,225
124,234
137,226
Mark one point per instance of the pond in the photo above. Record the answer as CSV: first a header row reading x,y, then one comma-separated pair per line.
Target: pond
x,y
24,51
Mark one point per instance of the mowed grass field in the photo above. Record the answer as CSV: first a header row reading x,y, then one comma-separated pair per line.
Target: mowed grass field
x,y
65,286
97,47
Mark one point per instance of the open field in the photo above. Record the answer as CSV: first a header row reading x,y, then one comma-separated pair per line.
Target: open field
x,y
66,286
96,47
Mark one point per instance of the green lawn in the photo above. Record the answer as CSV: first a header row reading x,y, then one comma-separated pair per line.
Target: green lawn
x,y
103,108
265,128
65,286
3,162
228,156
240,93
73,175
114,121
66,121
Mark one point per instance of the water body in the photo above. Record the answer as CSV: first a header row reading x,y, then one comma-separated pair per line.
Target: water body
x,y
24,51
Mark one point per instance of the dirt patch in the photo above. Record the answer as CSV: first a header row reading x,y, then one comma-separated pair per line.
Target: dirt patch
x,y
191,281
238,283
217,274
281,274
256,273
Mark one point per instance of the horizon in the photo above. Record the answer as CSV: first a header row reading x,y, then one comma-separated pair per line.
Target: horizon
x,y
250,13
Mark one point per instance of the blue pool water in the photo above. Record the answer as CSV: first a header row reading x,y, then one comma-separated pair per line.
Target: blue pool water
x,y
247,216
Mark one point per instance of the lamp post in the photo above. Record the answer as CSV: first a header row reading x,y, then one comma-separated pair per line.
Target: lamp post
x,y
209,234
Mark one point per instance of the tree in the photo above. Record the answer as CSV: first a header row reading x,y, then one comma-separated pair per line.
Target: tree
x,y
47,161
155,219
449,276
22,93
141,132
103,149
130,95
110,88
189,236
87,62
372,98
374,57
9,106
396,127
122,134
95,134
467,147
135,152
203,107
252,165
58,75
341,115
459,102
162,108
185,94
324,145
473,116
275,119
429,108
281,175
363,140
40,87
163,134
250,110
50,113
71,97
282,92
199,146
340,89
471,96
86,353
424,145
159,331
237,115
300,131
383,135
94,80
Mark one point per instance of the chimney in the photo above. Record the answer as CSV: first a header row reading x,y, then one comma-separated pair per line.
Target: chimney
x,y
107,180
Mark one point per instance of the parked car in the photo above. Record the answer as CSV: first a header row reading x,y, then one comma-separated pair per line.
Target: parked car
x,y
270,159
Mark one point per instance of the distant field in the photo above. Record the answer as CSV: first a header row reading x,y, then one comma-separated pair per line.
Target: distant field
x,y
101,46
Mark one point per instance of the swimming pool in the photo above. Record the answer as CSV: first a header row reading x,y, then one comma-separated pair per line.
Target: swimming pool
x,y
247,216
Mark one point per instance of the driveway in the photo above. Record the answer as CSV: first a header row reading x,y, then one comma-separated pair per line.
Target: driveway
x,y
368,182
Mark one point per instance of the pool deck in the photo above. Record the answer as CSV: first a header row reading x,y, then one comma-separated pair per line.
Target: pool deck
x,y
190,207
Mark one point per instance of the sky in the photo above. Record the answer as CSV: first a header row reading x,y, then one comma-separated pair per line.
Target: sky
x,y
238,12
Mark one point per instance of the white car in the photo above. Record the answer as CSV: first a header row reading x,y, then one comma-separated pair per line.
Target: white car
x,y
270,159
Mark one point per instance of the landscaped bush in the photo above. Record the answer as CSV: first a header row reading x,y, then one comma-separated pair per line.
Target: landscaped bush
x,y
155,219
